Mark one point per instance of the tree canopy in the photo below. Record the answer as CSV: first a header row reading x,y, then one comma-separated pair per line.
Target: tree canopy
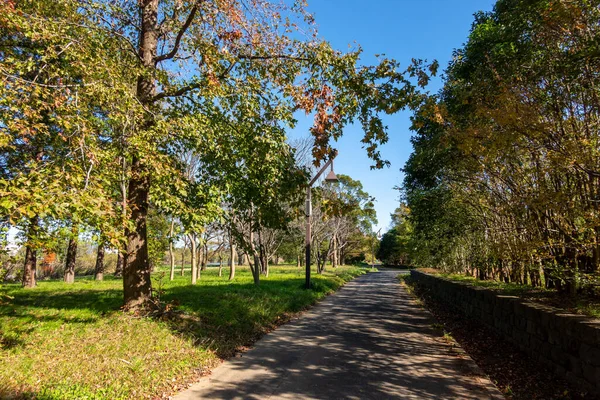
x,y
104,103
504,177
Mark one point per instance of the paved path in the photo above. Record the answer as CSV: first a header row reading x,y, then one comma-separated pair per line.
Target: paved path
x,y
367,341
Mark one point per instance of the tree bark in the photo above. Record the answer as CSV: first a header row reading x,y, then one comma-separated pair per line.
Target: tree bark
x,y
204,250
137,286
231,258
171,251
334,254
194,255
69,276
99,270
199,260
185,239
256,267
30,265
136,274
120,263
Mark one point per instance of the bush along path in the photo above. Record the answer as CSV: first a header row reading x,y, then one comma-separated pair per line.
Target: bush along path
x,y
63,341
513,372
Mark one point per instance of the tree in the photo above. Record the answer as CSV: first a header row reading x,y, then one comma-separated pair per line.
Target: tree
x,y
395,245
503,180
69,274
154,77
99,268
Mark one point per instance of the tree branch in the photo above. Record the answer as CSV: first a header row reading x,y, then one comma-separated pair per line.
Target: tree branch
x,y
176,93
180,34
271,57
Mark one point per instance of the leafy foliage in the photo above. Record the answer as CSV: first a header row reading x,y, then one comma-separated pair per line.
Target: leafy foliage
x,y
503,182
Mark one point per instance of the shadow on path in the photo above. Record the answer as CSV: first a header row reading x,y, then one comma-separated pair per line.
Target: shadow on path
x,y
368,341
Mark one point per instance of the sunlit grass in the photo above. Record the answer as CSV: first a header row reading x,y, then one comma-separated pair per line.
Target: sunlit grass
x,y
71,341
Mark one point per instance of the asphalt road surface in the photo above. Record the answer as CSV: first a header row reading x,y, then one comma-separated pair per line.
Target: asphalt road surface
x,y
370,340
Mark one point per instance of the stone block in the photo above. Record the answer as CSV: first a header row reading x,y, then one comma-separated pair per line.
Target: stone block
x,y
589,355
531,327
588,331
535,345
591,374
559,356
574,366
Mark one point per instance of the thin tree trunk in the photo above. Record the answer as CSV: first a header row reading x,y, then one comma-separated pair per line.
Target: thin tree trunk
x,y
220,265
256,268
120,263
204,256
69,276
99,270
194,258
183,257
200,262
334,254
231,258
171,251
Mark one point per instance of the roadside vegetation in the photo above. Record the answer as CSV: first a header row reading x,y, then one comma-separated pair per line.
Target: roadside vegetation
x,y
502,187
73,341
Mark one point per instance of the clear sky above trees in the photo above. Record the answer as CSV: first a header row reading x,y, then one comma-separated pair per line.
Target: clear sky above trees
x,y
401,29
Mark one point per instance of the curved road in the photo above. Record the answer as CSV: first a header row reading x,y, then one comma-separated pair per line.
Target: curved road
x,y
367,341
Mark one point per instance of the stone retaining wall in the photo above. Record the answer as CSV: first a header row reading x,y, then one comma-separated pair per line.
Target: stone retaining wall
x,y
569,344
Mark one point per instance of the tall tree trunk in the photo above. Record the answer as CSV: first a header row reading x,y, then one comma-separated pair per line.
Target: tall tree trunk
x,y
69,276
220,265
171,251
30,265
194,256
334,253
99,270
136,273
137,286
231,258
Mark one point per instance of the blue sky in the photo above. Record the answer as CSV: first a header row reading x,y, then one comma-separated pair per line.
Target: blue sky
x,y
400,29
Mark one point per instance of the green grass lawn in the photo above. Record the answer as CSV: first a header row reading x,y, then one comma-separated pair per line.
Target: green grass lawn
x,y
62,341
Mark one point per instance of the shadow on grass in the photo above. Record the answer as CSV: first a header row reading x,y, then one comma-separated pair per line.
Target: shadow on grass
x,y
101,301
226,318
218,315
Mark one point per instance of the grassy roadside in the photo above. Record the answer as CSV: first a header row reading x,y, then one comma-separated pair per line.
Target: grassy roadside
x,y
61,341
580,304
